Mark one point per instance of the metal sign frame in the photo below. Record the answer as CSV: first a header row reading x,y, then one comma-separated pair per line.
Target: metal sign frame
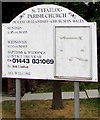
x,y
93,53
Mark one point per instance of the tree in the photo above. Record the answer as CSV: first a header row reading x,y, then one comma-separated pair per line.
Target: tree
x,y
57,102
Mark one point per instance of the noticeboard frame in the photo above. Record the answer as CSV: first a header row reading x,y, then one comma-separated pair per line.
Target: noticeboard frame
x,y
93,37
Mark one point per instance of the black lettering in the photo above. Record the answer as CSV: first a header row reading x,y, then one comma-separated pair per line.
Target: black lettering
x,y
42,61
49,9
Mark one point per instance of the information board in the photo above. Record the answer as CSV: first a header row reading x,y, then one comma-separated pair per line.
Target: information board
x,y
28,43
76,52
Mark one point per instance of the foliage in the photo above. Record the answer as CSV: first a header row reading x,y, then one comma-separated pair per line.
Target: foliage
x,y
65,86
90,11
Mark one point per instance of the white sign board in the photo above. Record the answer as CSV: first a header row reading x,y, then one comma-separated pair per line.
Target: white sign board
x,y
29,44
76,52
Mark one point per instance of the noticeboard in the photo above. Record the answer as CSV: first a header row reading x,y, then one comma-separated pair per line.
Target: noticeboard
x,y
76,52
29,45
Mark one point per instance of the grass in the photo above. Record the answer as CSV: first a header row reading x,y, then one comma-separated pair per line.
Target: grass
x,y
90,107
42,109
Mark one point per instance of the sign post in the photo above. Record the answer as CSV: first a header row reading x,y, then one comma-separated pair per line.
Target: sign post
x,y
71,55
18,98
76,101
